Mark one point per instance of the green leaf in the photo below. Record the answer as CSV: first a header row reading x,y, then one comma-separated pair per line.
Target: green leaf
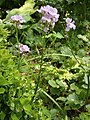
x,y
85,79
3,82
27,108
24,69
53,83
62,83
61,99
2,115
81,53
88,108
84,116
74,102
83,37
45,111
58,35
54,91
66,51
25,11
53,113
74,87
2,90
22,100
74,98
14,116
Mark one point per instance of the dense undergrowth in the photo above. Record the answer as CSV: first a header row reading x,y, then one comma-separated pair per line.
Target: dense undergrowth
x,y
45,60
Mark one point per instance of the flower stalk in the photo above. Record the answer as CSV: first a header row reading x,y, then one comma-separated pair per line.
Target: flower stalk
x,y
19,57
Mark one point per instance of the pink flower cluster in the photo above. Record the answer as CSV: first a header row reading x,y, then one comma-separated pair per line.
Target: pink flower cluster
x,y
49,15
23,48
70,24
18,19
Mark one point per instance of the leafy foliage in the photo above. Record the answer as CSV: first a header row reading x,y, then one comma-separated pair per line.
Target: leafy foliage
x,y
26,10
52,80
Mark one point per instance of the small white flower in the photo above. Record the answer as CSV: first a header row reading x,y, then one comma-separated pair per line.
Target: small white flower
x,y
24,48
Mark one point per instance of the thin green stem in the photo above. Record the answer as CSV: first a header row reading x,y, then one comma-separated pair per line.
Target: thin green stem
x,y
40,71
52,42
76,57
53,101
19,59
39,74
17,34
38,79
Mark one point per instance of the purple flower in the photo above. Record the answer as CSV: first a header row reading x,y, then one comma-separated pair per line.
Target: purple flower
x,y
49,15
48,9
45,18
46,29
70,24
24,48
17,18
